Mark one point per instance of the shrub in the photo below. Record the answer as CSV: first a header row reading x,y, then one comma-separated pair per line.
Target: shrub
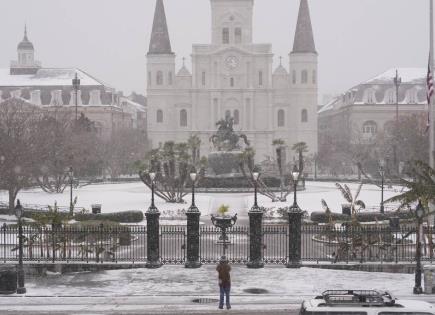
x,y
322,217
121,217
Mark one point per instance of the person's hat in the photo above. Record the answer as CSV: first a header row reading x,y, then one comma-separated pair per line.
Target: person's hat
x,y
223,259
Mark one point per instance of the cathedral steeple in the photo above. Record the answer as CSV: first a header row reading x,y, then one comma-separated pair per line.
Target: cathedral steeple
x,y
160,42
304,39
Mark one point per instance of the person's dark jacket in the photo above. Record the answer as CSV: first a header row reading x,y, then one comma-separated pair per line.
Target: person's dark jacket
x,y
224,274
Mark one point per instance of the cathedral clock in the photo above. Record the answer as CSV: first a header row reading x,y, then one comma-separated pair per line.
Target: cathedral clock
x,y
232,62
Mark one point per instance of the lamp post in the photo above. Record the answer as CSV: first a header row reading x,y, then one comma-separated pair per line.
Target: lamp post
x,y
397,82
153,228
76,87
71,181
255,176
193,215
419,213
20,272
295,175
152,177
193,176
382,173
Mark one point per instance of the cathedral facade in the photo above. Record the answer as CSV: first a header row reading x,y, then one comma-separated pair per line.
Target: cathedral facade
x,y
233,76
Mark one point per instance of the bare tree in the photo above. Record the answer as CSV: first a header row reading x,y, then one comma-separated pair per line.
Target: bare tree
x,y
19,150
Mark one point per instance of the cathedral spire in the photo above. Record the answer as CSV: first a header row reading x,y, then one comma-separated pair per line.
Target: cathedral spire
x,y
304,39
160,43
25,33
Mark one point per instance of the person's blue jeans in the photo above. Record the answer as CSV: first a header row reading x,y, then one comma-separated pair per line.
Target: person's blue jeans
x,y
225,290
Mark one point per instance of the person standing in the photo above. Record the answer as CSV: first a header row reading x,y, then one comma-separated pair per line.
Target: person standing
x,y
223,269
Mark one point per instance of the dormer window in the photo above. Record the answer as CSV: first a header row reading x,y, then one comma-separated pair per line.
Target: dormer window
x,y
238,35
390,98
412,96
225,35
369,96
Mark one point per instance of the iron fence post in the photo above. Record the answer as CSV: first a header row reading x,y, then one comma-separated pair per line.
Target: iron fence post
x,y
192,256
153,228
4,240
295,239
255,238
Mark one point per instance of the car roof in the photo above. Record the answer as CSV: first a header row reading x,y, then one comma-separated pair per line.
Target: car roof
x,y
400,305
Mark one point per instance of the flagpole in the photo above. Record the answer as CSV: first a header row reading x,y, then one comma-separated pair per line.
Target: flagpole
x,y
431,110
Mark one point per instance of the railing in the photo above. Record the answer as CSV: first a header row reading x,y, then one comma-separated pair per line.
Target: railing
x,y
128,244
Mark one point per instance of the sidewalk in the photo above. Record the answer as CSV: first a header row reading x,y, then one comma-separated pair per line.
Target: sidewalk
x,y
129,305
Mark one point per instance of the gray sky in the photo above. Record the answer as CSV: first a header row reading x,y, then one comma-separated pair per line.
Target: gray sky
x,y
356,39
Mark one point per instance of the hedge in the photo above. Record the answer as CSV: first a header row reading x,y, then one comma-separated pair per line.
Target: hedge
x,y
237,182
121,217
321,217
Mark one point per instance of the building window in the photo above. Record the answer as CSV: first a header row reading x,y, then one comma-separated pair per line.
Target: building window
x,y
227,113
236,117
203,78
304,116
412,96
225,35
183,118
149,78
231,82
370,96
260,78
304,77
159,78
370,128
281,118
294,76
170,78
314,77
238,35
159,116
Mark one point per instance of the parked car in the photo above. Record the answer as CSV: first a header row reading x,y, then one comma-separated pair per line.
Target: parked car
x,y
363,302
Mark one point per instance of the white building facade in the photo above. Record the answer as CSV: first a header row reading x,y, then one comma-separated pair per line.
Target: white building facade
x,y
233,76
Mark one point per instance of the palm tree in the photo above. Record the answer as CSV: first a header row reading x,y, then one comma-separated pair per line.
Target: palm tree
x,y
355,204
280,146
300,148
194,143
422,187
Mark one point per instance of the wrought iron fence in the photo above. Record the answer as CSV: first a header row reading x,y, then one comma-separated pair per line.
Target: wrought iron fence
x,y
128,244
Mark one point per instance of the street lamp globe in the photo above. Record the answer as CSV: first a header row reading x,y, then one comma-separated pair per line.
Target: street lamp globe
x,y
70,172
193,176
256,175
295,173
152,176
19,211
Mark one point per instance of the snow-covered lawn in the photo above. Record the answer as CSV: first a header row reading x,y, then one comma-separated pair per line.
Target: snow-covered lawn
x,y
136,196
177,280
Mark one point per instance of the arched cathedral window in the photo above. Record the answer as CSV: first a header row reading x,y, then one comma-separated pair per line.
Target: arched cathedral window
x,y
159,116
231,82
294,76
281,118
227,113
159,78
304,77
225,35
260,78
304,116
183,118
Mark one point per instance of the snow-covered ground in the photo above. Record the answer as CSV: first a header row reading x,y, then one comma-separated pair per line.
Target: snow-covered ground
x,y
136,196
177,280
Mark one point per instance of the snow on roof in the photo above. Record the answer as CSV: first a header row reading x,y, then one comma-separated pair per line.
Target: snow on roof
x,y
48,77
408,75
135,105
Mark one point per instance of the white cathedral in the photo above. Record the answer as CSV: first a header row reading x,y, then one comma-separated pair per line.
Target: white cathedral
x,y
233,76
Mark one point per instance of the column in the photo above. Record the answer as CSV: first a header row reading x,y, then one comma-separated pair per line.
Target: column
x,y
295,239
153,251
192,255
255,238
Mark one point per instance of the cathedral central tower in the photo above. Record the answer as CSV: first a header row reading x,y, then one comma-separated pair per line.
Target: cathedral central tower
x,y
232,21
